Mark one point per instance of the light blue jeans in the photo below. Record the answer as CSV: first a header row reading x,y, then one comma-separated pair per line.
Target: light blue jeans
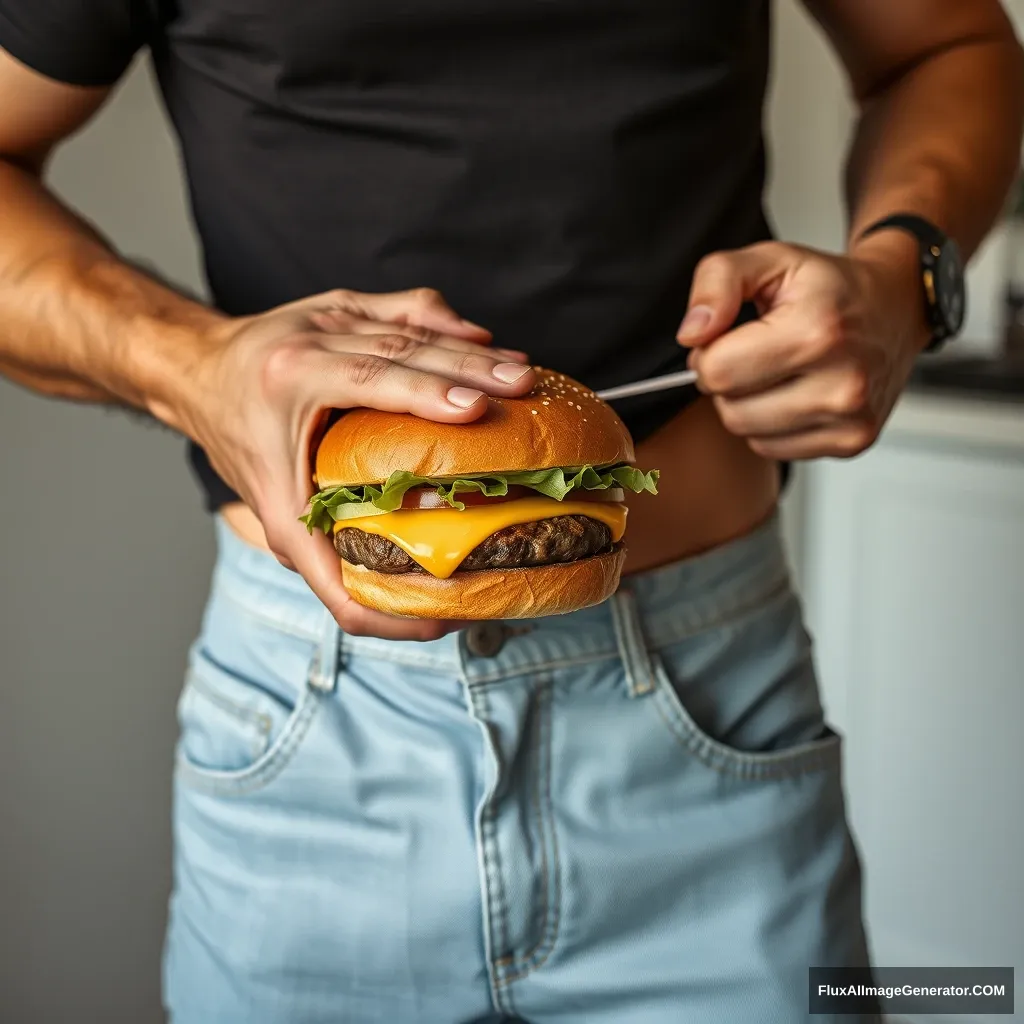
x,y
632,814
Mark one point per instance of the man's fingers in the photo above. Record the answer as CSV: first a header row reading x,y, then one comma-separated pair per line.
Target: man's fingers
x,y
320,567
722,282
370,371
310,555
360,621
791,406
835,393
428,336
377,382
484,370
314,558
420,307
759,354
465,364
515,355
838,441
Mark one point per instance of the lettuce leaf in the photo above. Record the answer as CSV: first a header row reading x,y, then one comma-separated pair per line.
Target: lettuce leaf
x,y
336,503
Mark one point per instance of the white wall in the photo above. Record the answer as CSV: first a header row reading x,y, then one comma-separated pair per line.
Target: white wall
x,y
985,278
891,683
811,121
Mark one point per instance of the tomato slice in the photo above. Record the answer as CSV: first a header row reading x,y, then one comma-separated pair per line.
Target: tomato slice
x,y
427,497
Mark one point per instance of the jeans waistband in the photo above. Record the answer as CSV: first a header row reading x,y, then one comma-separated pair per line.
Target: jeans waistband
x,y
652,609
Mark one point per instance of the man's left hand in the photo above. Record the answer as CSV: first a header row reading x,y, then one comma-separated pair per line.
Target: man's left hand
x,y
819,372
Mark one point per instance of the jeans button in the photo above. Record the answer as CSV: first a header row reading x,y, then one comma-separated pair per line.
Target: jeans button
x,y
485,639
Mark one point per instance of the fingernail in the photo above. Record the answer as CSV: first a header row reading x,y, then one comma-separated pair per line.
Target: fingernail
x,y
464,397
696,322
475,327
510,372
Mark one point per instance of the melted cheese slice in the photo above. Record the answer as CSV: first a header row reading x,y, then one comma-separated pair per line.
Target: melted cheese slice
x,y
439,539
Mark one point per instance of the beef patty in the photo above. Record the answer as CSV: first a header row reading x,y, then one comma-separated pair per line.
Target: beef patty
x,y
545,542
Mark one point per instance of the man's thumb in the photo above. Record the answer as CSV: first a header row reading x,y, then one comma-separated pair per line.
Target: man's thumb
x,y
722,282
715,299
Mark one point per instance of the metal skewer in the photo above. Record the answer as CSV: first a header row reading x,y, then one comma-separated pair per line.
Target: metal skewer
x,y
643,387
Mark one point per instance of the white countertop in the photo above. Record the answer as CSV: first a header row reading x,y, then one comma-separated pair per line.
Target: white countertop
x,y
961,419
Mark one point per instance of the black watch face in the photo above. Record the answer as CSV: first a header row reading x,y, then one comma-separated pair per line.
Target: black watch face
x,y
950,290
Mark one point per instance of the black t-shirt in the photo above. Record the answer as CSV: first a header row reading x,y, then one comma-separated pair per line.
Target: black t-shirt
x,y
555,167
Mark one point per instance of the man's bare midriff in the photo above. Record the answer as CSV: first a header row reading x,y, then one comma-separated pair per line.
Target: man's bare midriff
x,y
713,489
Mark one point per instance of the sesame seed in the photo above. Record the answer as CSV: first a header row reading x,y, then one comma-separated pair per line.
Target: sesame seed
x,y
534,411
545,403
575,389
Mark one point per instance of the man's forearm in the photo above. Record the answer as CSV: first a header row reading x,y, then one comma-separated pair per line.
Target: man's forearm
x,y
942,139
77,322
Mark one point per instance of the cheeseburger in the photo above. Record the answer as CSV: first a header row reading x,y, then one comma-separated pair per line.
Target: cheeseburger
x,y
518,514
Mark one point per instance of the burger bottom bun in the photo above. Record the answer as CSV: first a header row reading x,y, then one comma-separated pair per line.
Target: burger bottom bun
x,y
525,593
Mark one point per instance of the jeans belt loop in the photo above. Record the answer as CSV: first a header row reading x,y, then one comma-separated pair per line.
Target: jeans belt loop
x,y
323,674
636,661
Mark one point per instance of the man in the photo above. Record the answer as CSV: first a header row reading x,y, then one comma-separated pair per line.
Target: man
x,y
629,814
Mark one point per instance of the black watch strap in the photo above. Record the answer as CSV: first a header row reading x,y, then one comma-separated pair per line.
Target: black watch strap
x,y
924,231
938,254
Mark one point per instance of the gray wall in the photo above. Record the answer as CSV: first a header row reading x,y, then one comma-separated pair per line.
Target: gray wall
x,y
104,559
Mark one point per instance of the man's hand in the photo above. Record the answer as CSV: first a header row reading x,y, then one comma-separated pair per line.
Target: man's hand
x,y
821,369
261,386
940,85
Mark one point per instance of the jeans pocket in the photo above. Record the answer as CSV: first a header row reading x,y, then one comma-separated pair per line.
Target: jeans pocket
x,y
236,736
743,697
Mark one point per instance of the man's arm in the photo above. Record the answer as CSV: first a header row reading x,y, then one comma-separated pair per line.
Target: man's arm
x,y
77,322
941,88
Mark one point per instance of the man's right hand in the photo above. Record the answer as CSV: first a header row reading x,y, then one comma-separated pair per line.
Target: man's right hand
x,y
261,385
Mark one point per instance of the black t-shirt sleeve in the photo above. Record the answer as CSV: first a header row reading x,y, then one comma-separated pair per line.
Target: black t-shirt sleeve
x,y
80,42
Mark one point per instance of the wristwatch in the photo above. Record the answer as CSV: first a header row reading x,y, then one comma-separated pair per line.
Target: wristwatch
x,y
942,274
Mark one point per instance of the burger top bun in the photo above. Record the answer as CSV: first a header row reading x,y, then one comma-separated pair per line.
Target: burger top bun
x,y
559,423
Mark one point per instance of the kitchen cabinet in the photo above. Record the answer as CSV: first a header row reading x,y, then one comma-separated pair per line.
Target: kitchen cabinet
x,y
913,580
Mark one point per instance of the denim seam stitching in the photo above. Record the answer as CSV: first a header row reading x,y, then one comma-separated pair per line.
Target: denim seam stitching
x,y
512,960
545,945
436,665
533,668
498,910
737,763
252,779
725,616
729,613
209,691
275,623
